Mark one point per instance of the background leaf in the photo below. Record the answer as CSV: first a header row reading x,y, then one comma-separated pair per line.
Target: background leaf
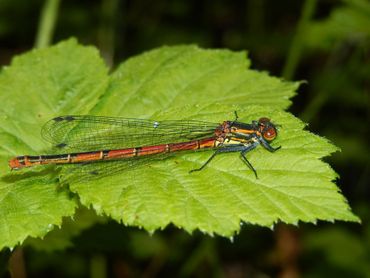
x,y
350,22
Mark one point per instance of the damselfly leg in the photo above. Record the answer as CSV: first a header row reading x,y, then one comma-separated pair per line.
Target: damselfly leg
x,y
243,149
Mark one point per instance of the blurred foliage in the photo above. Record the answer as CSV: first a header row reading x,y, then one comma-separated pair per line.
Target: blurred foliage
x,y
336,103
347,23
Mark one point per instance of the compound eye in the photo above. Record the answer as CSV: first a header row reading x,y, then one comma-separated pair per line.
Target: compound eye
x,y
263,121
269,133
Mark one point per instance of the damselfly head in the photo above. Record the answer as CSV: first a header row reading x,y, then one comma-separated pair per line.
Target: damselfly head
x,y
267,129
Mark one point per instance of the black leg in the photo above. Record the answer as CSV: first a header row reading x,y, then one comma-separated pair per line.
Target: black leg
x,y
236,116
248,163
267,146
232,148
221,149
205,164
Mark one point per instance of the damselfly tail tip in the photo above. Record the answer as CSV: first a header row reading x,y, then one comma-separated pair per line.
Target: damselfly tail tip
x,y
15,164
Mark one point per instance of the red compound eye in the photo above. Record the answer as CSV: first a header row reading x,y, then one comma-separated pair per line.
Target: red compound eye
x,y
267,129
269,133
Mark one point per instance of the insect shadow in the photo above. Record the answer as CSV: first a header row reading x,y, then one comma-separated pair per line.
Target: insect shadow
x,y
16,176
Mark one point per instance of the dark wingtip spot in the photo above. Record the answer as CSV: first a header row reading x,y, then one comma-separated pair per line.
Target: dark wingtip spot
x,y
58,119
69,118
63,118
61,145
95,173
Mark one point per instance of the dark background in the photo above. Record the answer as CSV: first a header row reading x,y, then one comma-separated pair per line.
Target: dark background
x,y
324,42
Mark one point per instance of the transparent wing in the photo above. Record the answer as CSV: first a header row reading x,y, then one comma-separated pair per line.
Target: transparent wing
x,y
85,172
87,133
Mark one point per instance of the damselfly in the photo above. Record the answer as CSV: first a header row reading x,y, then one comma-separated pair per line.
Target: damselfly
x,y
104,146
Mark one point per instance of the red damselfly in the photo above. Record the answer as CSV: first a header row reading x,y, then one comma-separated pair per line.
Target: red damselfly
x,y
104,146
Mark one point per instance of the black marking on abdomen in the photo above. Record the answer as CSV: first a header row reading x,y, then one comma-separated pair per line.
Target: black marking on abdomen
x,y
21,160
136,151
54,156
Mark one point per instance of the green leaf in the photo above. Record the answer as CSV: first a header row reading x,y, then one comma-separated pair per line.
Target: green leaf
x,y
181,82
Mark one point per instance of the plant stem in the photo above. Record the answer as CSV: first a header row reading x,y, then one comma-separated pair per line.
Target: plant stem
x,y
47,22
16,264
98,266
204,253
295,50
106,32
